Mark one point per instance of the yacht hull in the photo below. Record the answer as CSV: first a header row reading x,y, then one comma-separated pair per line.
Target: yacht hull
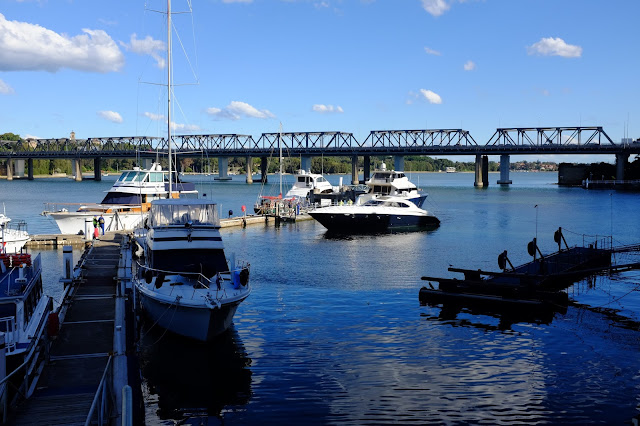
x,y
372,222
74,222
200,323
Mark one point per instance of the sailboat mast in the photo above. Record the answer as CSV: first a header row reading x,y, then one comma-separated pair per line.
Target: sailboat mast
x,y
280,147
169,93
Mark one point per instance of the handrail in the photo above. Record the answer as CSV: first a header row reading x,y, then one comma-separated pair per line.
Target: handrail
x,y
100,394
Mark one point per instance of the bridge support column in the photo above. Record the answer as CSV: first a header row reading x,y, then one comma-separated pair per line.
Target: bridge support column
x,y
305,163
9,169
97,169
223,166
482,171
621,161
366,168
76,166
18,168
264,169
249,167
30,168
398,163
504,170
145,163
354,170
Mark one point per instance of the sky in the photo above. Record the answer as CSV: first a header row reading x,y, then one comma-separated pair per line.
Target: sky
x,y
249,66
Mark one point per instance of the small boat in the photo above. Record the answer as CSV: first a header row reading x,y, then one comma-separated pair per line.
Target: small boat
x,y
184,282
14,236
450,169
381,214
125,205
391,182
24,310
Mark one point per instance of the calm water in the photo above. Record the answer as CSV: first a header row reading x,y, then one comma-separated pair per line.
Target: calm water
x,y
334,332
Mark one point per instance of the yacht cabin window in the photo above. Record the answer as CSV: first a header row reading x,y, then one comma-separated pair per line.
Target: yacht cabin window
x,y
181,214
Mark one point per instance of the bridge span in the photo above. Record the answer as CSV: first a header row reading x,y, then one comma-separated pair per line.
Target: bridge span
x,y
504,142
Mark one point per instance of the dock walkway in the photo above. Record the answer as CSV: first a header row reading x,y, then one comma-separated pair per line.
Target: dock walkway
x,y
81,353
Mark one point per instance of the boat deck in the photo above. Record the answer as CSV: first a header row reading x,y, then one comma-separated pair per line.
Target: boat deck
x,y
80,352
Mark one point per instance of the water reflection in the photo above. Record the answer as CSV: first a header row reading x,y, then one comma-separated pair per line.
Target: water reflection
x,y
185,380
507,315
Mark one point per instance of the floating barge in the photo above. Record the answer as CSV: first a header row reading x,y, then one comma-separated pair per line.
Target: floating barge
x,y
536,284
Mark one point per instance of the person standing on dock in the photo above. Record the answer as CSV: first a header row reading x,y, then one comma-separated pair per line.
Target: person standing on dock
x,y
95,227
101,223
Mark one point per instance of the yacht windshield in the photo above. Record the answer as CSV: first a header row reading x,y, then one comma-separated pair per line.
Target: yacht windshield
x,y
373,203
181,214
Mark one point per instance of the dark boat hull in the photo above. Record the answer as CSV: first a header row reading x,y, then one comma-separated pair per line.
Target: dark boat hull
x,y
371,222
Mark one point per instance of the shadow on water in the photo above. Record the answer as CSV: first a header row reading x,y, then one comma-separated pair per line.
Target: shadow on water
x,y
507,316
185,380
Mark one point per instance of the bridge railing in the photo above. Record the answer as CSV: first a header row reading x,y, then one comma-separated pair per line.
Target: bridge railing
x,y
418,138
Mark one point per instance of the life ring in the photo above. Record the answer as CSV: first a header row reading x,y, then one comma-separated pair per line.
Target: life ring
x,y
244,276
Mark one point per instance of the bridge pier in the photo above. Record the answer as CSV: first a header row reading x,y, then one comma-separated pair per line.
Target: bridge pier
x,y
264,169
621,162
76,167
398,163
305,163
504,170
366,168
249,167
97,169
223,166
354,170
482,171
30,168
9,169
18,168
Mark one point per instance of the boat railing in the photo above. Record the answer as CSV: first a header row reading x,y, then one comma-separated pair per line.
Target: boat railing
x,y
104,401
66,207
11,334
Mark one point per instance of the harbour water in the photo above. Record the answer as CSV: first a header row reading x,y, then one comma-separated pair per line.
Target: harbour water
x,y
333,332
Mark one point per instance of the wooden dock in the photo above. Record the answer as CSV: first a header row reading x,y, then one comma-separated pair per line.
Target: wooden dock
x,y
83,354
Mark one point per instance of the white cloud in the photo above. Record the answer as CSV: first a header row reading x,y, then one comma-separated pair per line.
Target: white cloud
x,y
469,66
435,7
174,126
111,116
554,47
147,46
430,51
5,89
30,47
155,117
327,109
321,5
431,97
237,110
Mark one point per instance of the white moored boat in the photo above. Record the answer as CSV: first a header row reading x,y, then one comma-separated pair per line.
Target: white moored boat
x,y
125,205
307,184
380,214
391,182
184,281
13,236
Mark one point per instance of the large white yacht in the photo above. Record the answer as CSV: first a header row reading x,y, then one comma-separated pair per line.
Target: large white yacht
x,y
184,282
380,214
125,205
391,182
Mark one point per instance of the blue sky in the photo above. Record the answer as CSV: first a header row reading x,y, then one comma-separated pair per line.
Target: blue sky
x,y
319,65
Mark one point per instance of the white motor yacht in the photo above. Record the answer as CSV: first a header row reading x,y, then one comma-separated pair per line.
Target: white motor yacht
x,y
125,205
380,214
391,182
13,236
184,282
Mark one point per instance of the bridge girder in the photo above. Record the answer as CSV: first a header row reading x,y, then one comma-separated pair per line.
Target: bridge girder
x,y
540,136
411,138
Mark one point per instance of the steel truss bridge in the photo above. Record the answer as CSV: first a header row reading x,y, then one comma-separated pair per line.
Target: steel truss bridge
x,y
505,141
